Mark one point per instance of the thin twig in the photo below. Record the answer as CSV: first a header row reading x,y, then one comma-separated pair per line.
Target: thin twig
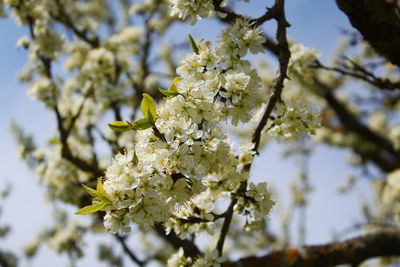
x,y
64,134
128,251
365,75
284,55
66,20
278,13
202,220
225,226
76,116
189,247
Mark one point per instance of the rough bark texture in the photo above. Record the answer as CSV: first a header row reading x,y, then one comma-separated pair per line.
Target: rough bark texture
x,y
353,251
379,23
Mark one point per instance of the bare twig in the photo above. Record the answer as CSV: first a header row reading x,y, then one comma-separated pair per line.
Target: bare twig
x,y
64,133
77,115
359,72
66,20
278,13
189,247
128,251
284,55
228,219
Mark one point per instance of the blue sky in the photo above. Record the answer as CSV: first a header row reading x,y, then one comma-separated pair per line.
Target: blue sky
x,y
315,23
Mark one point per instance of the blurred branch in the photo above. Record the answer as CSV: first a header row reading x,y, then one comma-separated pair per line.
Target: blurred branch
x,y
78,113
7,259
128,251
353,251
379,23
389,158
66,20
188,246
3,261
359,72
64,133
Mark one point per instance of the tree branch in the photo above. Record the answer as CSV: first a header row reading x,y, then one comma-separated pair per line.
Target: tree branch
x,y
64,133
283,57
225,226
359,72
388,158
353,251
379,23
188,246
128,251
3,260
66,20
278,13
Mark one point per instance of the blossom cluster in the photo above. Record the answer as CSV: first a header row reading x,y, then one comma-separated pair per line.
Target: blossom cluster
x,y
392,188
65,237
301,59
186,151
196,9
256,204
193,10
179,165
58,174
211,259
292,120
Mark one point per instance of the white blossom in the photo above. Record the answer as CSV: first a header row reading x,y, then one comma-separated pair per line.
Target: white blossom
x,y
194,9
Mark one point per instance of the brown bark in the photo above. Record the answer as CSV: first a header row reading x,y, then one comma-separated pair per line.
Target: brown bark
x,y
353,251
379,23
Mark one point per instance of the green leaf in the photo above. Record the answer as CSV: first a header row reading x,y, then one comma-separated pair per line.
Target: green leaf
x,y
119,126
92,208
91,191
168,93
172,87
150,117
142,124
193,45
54,141
172,90
101,193
149,108
135,159
129,123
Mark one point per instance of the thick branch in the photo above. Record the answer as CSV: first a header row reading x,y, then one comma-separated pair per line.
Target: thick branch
x,y
353,251
379,23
